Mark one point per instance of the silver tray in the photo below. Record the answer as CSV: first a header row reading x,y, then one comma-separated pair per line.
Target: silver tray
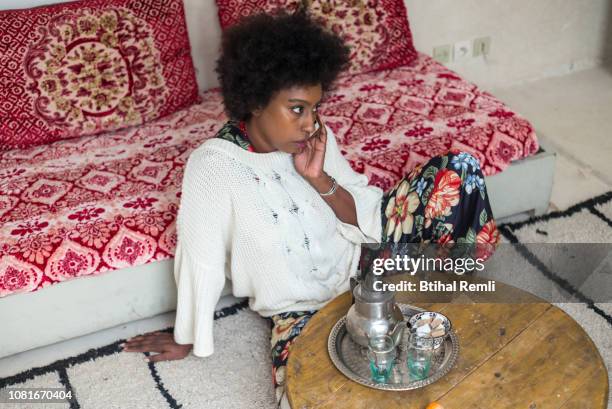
x,y
350,358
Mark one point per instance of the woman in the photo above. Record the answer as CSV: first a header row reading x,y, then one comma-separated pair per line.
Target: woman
x,y
272,204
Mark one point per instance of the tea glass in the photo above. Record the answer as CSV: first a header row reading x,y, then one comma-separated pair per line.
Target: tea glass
x,y
381,354
419,356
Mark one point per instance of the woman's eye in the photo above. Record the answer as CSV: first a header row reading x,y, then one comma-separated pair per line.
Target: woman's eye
x,y
299,109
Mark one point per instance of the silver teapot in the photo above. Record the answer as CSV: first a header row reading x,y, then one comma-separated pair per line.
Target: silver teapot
x,y
374,313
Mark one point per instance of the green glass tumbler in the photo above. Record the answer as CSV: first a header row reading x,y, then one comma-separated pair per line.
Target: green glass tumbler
x,y
420,355
381,354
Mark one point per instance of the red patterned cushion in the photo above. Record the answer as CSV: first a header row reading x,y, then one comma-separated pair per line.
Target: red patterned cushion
x,y
377,31
231,11
85,67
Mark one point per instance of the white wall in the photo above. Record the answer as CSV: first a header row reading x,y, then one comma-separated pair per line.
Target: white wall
x,y
531,39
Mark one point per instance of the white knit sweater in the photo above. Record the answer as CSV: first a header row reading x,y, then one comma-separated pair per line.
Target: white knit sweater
x,y
252,218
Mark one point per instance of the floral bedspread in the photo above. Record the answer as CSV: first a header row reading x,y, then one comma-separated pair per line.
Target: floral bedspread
x,y
387,122
94,204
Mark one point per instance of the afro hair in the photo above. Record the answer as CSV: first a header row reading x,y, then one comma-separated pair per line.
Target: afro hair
x,y
264,54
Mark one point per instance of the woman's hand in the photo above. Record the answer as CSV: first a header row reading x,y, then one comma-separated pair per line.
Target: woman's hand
x,y
160,342
309,162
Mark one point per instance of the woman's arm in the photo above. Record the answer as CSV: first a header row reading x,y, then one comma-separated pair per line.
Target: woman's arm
x,y
355,203
341,201
309,163
366,198
203,227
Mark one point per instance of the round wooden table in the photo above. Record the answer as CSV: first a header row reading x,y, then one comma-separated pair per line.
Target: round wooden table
x,y
529,354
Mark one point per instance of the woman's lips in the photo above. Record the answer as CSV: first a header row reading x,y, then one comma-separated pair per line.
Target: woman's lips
x,y
302,144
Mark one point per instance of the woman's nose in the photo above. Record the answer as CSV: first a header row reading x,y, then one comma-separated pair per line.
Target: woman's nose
x,y
311,120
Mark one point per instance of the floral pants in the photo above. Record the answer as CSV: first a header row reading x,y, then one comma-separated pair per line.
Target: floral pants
x,y
443,201
285,327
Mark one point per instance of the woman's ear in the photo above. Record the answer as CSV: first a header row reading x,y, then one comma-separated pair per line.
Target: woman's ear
x,y
256,112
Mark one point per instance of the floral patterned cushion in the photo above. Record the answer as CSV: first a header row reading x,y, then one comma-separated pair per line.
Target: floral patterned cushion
x,y
377,31
85,67
231,11
98,203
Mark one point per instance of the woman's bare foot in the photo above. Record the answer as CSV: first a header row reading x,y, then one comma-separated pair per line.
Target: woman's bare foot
x,y
160,342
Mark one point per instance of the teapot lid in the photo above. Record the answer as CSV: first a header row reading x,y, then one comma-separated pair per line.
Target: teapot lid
x,y
365,292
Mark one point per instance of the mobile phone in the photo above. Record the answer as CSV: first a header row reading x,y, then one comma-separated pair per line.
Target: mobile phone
x,y
317,126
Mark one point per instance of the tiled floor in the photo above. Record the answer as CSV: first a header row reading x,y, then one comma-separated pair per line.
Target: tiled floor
x,y
572,113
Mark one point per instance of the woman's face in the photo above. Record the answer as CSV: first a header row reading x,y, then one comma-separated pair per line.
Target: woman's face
x,y
287,121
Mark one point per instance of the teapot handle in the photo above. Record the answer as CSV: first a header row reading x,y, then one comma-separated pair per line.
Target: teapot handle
x,y
396,334
353,283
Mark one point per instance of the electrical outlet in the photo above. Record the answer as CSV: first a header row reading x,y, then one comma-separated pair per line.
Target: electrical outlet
x,y
442,53
462,51
482,46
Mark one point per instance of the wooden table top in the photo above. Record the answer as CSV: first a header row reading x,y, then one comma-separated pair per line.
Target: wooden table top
x,y
529,355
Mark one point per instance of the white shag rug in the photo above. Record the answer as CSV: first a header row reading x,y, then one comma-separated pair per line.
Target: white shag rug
x,y
238,375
